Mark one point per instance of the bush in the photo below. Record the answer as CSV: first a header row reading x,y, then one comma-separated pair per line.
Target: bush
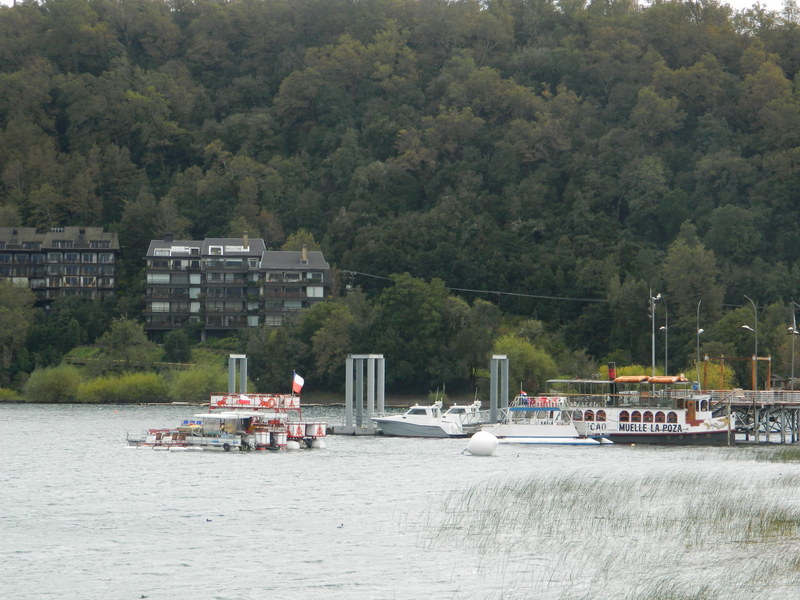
x,y
52,384
197,384
128,388
7,395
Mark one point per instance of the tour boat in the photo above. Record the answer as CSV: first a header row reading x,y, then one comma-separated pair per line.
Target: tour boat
x,y
421,421
540,420
646,410
240,422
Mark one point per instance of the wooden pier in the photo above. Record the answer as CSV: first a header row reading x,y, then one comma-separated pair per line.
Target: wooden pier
x,y
771,416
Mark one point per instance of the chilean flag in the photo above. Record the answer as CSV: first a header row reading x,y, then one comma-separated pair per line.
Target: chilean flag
x,y
297,383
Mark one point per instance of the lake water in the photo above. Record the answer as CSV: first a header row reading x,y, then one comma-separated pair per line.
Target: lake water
x,y
84,517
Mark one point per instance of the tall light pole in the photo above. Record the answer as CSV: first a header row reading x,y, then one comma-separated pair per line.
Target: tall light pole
x,y
699,331
755,338
794,333
665,329
653,300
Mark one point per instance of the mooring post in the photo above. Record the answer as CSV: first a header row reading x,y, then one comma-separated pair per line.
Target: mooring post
x,y
498,385
239,360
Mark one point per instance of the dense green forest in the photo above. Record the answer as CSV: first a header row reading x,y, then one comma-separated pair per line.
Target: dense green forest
x,y
512,175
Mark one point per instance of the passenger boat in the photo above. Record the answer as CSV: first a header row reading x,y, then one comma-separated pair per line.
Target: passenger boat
x,y
540,420
646,410
422,421
240,422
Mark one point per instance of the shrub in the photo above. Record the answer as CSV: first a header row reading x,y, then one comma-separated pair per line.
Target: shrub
x,y
52,384
197,384
7,395
127,388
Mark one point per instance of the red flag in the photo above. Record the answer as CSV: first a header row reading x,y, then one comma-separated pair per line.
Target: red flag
x,y
297,383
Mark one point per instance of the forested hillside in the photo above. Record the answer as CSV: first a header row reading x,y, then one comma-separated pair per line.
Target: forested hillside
x,y
569,157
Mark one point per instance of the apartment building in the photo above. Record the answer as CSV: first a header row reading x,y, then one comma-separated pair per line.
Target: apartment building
x,y
62,261
223,284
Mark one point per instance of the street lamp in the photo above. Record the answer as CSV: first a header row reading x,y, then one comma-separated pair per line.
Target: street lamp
x,y
665,329
699,331
653,300
755,342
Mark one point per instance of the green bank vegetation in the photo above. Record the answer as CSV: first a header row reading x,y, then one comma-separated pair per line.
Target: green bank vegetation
x,y
513,175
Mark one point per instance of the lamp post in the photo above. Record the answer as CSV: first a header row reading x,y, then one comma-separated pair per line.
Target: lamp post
x,y
699,331
793,332
653,300
665,329
755,342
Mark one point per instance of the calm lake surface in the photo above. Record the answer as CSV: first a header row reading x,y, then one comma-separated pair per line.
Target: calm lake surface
x,y
84,517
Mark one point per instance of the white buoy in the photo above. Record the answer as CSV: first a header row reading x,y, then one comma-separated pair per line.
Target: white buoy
x,y
319,444
482,443
292,445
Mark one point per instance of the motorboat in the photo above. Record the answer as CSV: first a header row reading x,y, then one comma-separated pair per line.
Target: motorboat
x,y
422,421
467,414
540,420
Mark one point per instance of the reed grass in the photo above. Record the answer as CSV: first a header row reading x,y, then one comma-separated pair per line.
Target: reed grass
x,y
649,537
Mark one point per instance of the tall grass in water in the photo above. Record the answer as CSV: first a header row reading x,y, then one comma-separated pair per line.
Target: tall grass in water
x,y
675,536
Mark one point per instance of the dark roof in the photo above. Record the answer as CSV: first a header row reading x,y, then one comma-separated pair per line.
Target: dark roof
x,y
80,236
292,259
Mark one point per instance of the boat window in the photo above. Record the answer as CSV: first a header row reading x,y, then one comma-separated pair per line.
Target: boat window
x,y
660,417
648,417
578,416
457,411
703,405
672,417
624,416
416,411
601,415
636,417
588,415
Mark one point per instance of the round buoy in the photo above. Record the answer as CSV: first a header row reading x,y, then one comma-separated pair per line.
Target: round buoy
x,y
319,444
292,445
482,443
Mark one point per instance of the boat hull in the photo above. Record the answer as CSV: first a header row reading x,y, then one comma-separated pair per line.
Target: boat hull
x,y
540,433
397,428
708,438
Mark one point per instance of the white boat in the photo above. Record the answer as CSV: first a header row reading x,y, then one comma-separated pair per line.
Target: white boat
x,y
421,421
467,414
646,410
540,420
240,422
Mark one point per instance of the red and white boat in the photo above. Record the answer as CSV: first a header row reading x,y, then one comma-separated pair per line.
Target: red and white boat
x,y
241,422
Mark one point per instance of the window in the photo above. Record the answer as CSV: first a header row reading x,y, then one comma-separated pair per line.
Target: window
x,y
89,257
292,304
72,257
5,258
624,416
647,417
105,258
194,278
314,276
158,278
159,307
215,250
54,257
588,415
660,417
194,307
314,291
194,293
291,276
99,244
63,244
21,259
161,252
636,417
31,245
601,415
672,417
252,321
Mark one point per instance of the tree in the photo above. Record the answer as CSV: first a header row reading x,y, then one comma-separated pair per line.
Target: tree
x,y
528,365
126,341
408,328
176,347
16,318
